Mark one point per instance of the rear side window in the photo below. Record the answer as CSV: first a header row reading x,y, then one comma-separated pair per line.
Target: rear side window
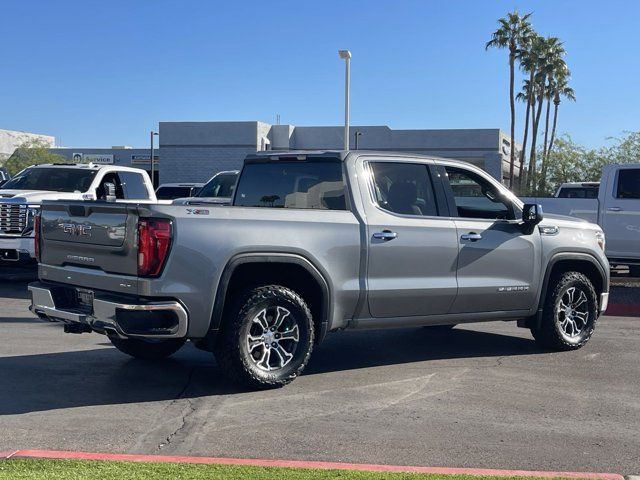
x,y
133,186
314,185
404,188
569,192
628,183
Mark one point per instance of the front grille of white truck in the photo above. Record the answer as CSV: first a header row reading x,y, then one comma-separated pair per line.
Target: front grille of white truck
x,y
13,219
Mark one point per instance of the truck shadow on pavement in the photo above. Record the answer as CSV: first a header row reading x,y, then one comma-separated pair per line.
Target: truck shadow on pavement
x,y
104,376
16,289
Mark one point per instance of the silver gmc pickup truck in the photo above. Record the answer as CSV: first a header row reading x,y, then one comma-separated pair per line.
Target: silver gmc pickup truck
x,y
315,242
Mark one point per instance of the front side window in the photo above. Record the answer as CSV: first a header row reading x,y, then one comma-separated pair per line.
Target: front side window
x,y
476,197
297,184
403,188
169,193
52,179
628,183
221,185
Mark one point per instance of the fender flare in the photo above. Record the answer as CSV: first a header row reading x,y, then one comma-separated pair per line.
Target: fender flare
x,y
272,257
558,257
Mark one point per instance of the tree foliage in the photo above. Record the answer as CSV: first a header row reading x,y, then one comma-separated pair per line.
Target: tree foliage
x,y
570,162
31,152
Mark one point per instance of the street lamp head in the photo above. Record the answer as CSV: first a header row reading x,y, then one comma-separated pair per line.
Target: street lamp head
x,y
344,54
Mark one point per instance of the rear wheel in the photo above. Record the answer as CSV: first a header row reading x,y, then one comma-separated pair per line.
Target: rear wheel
x,y
570,313
267,340
148,349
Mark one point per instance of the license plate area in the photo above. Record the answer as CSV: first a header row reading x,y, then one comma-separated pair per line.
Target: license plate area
x,y
85,299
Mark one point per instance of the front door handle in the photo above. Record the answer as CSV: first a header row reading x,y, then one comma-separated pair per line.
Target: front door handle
x,y
614,209
471,236
385,235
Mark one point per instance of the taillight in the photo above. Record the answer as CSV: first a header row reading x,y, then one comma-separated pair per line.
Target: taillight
x,y
36,235
154,240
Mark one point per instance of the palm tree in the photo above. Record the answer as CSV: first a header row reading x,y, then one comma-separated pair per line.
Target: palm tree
x,y
555,67
529,58
562,89
551,50
513,32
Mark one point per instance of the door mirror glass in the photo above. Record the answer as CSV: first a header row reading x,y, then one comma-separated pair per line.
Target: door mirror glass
x,y
531,216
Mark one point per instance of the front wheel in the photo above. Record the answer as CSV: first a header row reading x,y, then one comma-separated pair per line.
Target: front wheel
x,y
569,314
148,349
267,340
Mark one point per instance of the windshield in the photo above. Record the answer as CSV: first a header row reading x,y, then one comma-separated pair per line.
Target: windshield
x,y
52,180
219,186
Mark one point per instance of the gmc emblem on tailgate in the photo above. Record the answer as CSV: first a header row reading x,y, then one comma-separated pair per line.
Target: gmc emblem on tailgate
x,y
76,229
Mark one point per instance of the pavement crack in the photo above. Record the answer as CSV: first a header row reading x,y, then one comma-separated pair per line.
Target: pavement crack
x,y
187,411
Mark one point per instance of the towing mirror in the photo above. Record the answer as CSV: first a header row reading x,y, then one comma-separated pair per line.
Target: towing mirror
x,y
110,191
531,216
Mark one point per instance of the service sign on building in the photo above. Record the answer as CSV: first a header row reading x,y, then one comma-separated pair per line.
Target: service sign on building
x,y
101,159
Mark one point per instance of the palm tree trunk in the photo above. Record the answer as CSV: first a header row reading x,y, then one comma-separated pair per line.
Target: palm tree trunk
x,y
531,159
521,179
553,128
526,133
534,137
543,170
512,104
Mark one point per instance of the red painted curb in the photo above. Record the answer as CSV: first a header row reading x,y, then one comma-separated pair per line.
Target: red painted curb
x,y
623,310
53,454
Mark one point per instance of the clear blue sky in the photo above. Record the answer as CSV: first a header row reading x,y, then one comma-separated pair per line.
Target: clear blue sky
x,y
102,73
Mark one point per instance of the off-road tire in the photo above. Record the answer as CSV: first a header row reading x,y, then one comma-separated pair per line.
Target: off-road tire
x,y
152,349
549,334
231,351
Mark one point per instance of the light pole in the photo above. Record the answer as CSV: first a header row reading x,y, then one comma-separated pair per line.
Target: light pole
x,y
346,56
356,134
153,181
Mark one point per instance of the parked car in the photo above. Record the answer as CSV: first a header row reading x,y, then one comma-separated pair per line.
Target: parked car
x,y
315,243
171,191
20,198
218,190
578,190
616,208
4,176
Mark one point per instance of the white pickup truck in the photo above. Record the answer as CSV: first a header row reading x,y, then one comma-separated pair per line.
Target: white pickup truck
x,y
20,199
616,209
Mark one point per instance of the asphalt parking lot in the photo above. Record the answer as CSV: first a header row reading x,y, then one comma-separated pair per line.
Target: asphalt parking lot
x,y
478,396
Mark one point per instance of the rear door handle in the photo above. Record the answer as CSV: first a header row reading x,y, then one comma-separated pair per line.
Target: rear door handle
x,y
614,209
385,235
471,236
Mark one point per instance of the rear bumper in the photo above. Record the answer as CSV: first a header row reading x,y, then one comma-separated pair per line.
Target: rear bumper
x,y
17,250
123,316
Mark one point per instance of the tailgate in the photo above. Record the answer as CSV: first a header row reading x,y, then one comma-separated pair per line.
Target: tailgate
x,y
95,235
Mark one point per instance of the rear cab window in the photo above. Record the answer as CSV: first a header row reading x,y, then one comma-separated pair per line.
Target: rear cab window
x,y
302,184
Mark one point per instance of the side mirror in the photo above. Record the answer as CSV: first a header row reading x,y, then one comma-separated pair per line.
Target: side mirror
x,y
110,191
531,216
